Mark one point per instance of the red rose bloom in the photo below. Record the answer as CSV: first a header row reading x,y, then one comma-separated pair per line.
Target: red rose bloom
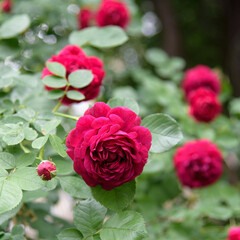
x,y
198,77
46,170
74,58
6,6
204,105
108,146
234,233
198,163
85,17
113,12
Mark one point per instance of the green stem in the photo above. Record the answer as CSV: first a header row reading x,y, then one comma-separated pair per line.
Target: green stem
x,y
41,154
66,116
26,150
57,106
91,235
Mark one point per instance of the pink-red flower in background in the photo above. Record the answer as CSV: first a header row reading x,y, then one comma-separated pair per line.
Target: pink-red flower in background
x,y
74,58
198,163
46,170
6,5
234,233
113,12
200,77
204,105
108,146
85,18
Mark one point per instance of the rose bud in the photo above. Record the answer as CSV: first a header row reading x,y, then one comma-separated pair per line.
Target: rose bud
x,y
198,163
46,170
234,233
6,6
204,105
85,18
199,77
112,12
74,58
108,146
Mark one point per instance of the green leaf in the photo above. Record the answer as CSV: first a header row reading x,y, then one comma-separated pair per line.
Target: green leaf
x,y
14,138
116,199
64,167
10,196
124,102
107,37
156,56
9,214
57,144
125,225
54,82
75,186
40,142
49,185
14,26
26,178
56,68
55,94
80,78
7,160
3,174
17,230
30,196
50,126
29,134
165,132
27,113
88,216
69,234
25,160
75,95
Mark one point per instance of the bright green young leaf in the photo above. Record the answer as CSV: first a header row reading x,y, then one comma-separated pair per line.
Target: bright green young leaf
x,y
75,186
25,160
26,178
124,102
107,37
70,234
55,94
54,82
125,225
30,134
88,216
75,95
7,160
165,131
116,199
57,144
10,196
40,142
14,26
80,78
56,68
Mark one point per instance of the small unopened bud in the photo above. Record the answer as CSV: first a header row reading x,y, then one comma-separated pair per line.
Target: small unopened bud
x,y
46,170
6,6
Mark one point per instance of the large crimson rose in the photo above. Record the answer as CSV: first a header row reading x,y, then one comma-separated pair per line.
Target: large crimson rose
x,y
234,233
108,146
112,12
199,77
85,17
198,163
74,58
204,105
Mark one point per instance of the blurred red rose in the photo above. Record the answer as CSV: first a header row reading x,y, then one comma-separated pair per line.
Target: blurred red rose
x,y
198,163
46,170
85,17
6,5
204,105
198,77
108,146
74,58
234,233
112,12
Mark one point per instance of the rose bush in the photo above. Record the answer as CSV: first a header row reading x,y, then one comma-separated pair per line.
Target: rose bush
x,y
198,163
108,146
